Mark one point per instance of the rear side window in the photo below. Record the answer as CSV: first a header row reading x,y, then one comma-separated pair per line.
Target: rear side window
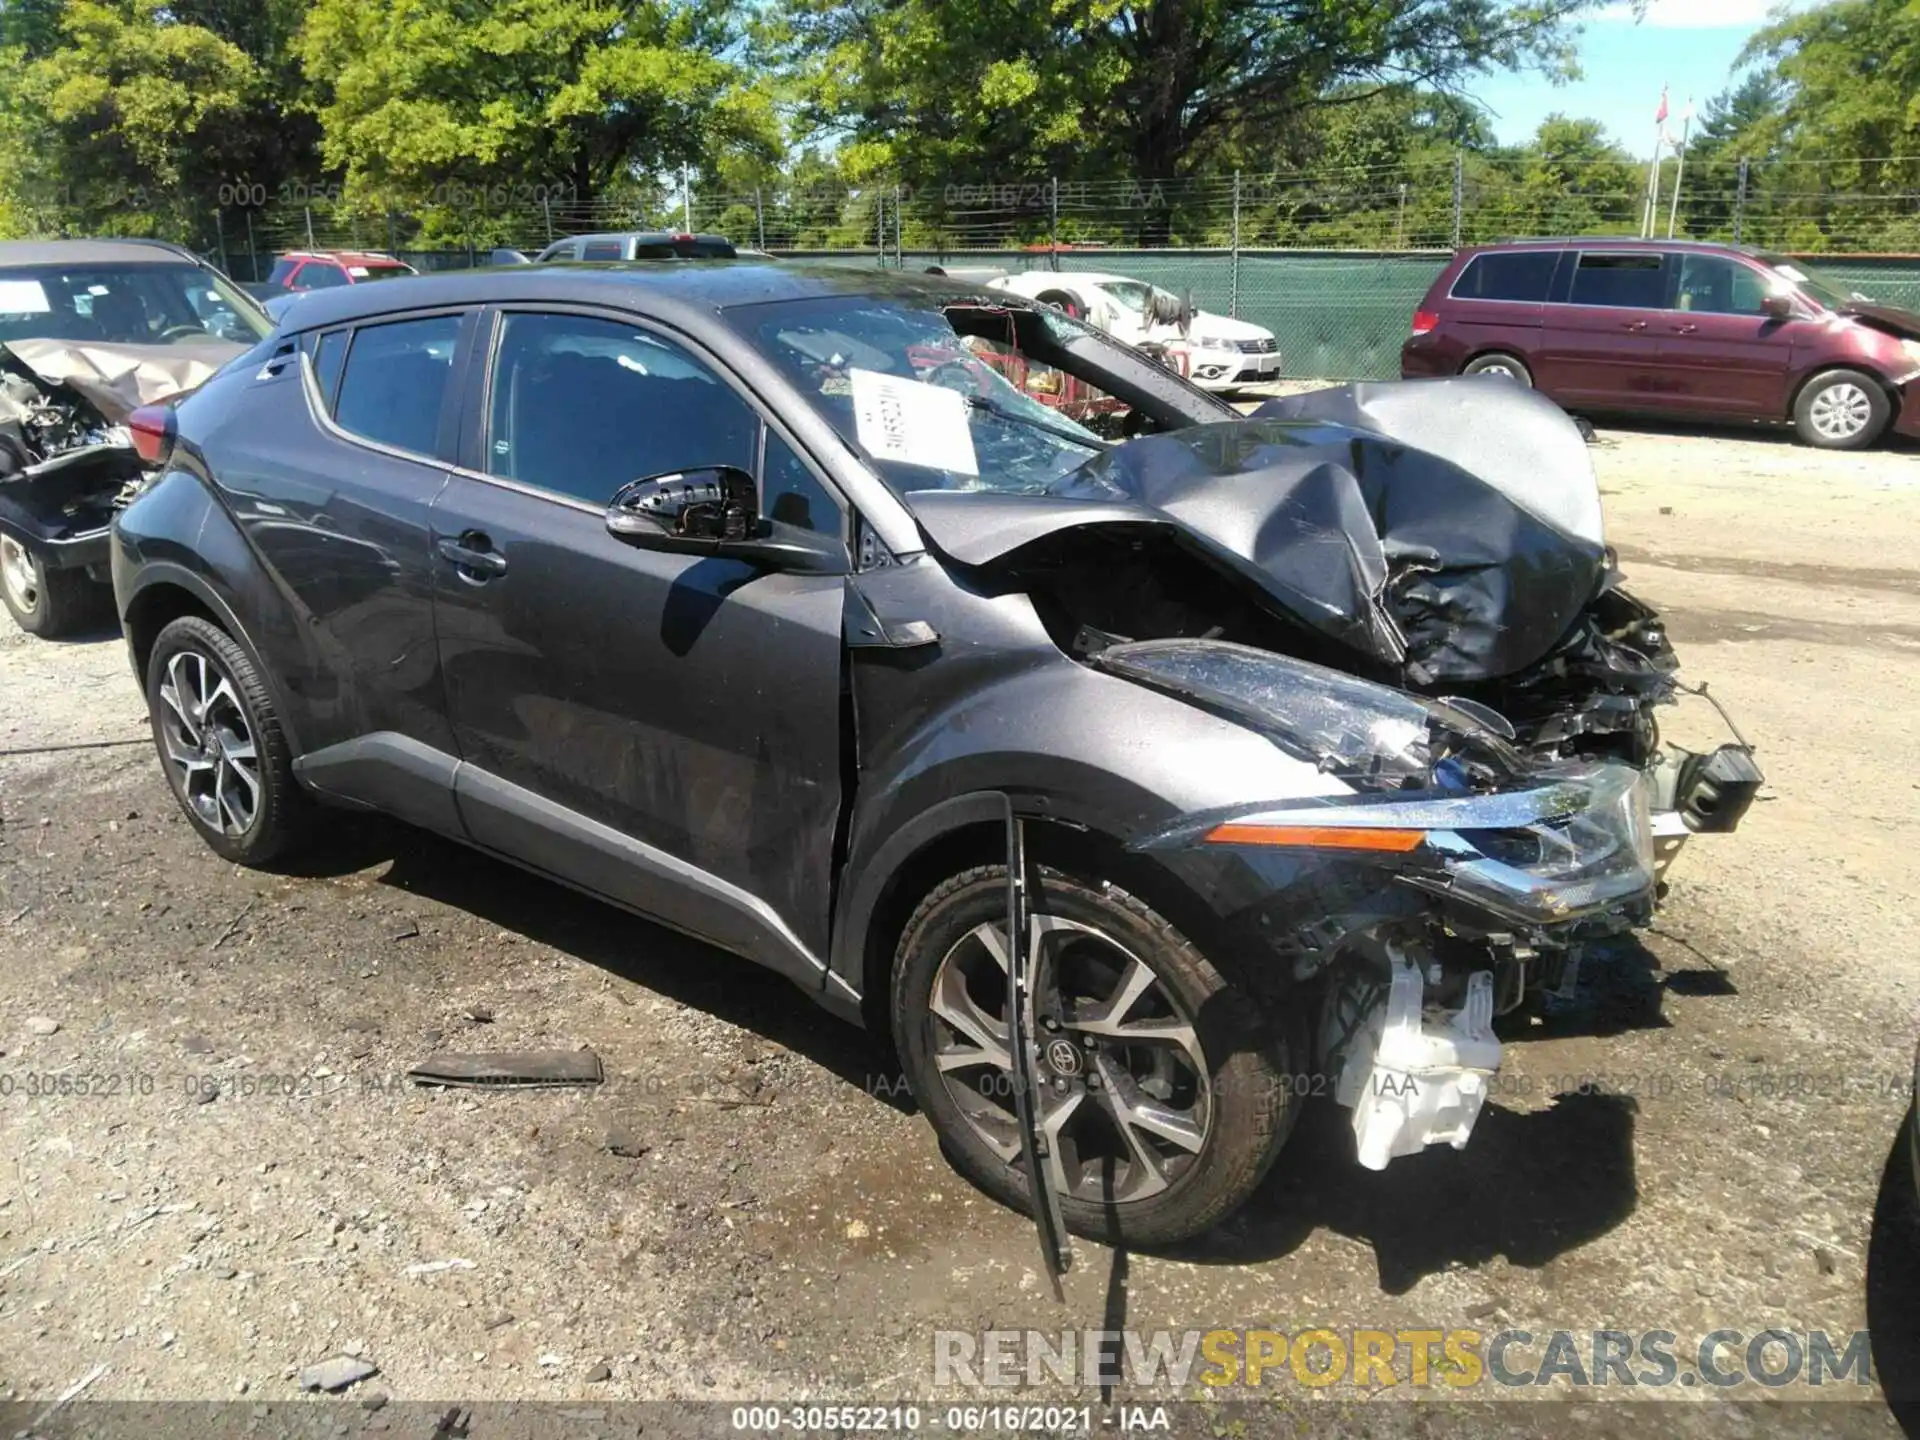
x,y
1625,281
281,270
1508,275
602,250
395,380
328,355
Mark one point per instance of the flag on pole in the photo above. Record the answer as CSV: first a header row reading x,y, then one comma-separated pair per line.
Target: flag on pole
x,y
1660,115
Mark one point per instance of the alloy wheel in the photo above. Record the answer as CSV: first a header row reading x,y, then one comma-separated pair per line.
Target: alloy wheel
x,y
19,575
209,743
1841,411
1124,1099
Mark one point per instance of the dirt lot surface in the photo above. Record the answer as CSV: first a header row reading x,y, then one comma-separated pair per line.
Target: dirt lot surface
x,y
780,1225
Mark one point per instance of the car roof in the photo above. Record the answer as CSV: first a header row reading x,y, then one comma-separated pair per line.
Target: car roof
x,y
93,252
346,257
686,290
655,235
1611,242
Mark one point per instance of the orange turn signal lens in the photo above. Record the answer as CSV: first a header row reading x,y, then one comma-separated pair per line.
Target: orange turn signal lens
x,y
1318,837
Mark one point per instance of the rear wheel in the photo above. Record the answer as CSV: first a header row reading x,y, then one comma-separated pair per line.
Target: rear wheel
x,y
1061,301
1498,364
1163,1099
44,602
220,743
1842,410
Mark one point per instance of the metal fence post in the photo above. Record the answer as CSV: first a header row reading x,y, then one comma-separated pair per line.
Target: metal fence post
x,y
1459,194
220,233
899,253
1053,220
253,252
879,227
308,209
1740,202
1233,277
546,215
760,217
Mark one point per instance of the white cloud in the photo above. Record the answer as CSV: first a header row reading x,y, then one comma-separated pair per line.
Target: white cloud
x,y
1705,14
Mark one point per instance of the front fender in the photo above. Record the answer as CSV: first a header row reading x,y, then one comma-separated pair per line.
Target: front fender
x,y
943,735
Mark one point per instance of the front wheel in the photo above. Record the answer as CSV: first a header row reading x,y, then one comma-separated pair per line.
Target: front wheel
x,y
1842,410
1163,1098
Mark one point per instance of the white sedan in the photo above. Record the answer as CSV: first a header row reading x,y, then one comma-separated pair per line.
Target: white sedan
x,y
1216,352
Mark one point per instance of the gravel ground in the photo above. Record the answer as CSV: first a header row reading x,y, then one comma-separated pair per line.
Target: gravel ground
x,y
748,1207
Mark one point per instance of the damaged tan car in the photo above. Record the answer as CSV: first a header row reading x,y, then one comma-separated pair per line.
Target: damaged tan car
x,y
90,332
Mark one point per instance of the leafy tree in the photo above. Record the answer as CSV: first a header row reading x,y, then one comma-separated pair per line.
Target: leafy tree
x,y
1569,180
452,107
1850,72
127,122
1734,128
1152,89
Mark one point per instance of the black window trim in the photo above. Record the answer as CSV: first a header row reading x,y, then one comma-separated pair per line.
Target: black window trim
x,y
321,409
1558,251
476,408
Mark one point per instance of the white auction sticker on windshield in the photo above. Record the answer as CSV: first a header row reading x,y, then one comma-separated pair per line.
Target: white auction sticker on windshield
x,y
23,297
912,422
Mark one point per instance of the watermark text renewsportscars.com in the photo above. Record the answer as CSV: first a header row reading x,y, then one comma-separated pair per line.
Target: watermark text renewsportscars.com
x,y
1182,1362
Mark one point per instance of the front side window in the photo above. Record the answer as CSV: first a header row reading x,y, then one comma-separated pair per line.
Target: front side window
x,y
582,406
1622,280
1715,285
1522,275
394,382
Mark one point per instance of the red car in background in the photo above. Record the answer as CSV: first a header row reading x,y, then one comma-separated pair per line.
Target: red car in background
x,y
1675,328
323,269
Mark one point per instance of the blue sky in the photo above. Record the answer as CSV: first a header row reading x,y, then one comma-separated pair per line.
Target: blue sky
x,y
1689,45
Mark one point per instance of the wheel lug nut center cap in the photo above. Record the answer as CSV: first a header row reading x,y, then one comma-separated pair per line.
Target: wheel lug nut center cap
x,y
1063,1057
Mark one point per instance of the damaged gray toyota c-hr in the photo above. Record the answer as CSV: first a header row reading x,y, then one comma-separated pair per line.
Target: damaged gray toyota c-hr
x,y
771,602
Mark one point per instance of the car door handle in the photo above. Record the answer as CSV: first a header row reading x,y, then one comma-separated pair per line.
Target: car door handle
x,y
1686,329
1636,324
473,556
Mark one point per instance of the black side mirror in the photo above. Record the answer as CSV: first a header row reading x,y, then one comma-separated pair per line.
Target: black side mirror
x,y
1776,307
715,510
687,510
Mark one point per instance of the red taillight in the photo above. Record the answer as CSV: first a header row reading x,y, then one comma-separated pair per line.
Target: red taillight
x,y
1425,321
151,427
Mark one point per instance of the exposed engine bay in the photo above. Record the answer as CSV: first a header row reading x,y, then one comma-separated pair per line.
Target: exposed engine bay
x,y
1406,587
67,461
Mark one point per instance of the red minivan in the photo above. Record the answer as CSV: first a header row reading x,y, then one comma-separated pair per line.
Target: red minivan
x,y
1674,328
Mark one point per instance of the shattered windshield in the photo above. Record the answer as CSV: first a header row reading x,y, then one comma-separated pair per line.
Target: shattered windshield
x,y
125,305
936,397
1134,294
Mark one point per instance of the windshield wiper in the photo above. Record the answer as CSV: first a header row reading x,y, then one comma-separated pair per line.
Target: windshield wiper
x,y
1085,440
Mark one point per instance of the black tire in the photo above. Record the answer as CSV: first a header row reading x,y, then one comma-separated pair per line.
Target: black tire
x,y
49,603
1061,301
1498,363
247,824
1251,1107
1842,410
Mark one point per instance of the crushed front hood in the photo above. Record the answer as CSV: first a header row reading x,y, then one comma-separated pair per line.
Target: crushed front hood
x,y
1891,318
1449,529
118,379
